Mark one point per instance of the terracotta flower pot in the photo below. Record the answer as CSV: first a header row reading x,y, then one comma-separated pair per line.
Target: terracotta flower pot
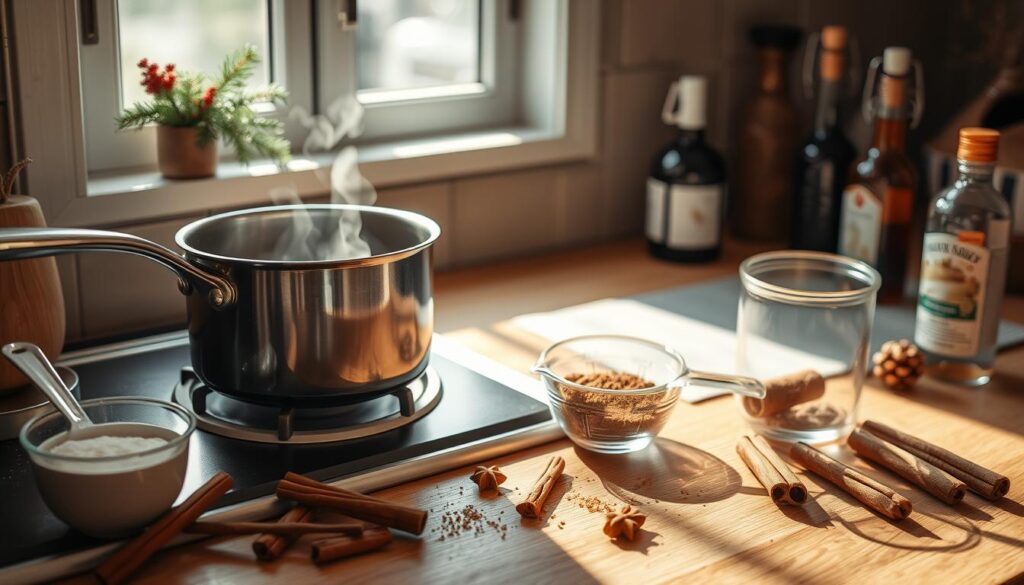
x,y
179,155
31,301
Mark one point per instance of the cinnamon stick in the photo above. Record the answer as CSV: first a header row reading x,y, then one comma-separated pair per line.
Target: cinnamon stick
x,y
532,506
877,496
268,547
310,482
332,549
132,555
979,479
777,478
911,468
294,529
316,494
785,392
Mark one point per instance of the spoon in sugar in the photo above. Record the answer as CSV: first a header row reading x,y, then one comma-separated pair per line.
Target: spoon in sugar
x,y
28,358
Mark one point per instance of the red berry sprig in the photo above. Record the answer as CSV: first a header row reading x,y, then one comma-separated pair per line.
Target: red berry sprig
x,y
208,96
155,80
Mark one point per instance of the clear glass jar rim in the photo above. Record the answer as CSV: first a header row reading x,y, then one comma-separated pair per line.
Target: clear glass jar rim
x,y
187,416
843,265
543,368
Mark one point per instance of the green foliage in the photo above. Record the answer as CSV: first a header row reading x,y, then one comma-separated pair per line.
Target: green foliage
x,y
223,110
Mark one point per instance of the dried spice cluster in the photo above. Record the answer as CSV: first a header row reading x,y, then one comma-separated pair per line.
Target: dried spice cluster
x,y
899,364
624,524
488,478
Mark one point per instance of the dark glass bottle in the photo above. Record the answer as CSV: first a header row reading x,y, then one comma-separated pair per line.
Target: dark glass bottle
x,y
825,157
878,202
686,187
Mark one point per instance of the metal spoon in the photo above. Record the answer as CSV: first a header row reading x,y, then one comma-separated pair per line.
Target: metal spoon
x,y
28,358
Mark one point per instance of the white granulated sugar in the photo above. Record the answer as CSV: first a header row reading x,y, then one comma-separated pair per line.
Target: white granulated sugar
x,y
107,446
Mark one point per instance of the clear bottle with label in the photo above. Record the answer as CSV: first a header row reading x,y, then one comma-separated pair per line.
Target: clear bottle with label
x,y
963,267
686,187
878,202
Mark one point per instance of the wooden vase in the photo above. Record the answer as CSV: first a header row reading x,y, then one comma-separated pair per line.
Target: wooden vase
x,y
31,300
179,155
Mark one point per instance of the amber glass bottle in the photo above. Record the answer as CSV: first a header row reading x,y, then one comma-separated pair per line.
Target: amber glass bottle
x,y
767,142
878,201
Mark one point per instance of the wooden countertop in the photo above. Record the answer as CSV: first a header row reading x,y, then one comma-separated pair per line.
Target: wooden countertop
x,y
708,518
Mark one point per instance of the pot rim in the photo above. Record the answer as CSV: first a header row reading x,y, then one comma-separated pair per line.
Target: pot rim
x,y
433,229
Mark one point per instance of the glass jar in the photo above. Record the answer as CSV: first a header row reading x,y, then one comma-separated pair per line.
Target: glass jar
x,y
805,311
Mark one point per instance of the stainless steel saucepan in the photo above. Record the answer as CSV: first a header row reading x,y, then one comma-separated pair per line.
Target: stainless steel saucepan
x,y
279,312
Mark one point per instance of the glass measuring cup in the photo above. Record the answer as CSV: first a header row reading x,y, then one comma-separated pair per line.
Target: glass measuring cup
x,y
621,421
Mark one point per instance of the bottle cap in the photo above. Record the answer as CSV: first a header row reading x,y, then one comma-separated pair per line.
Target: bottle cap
x,y
978,145
896,61
833,38
693,94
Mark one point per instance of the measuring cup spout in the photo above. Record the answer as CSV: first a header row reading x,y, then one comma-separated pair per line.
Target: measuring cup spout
x,y
543,369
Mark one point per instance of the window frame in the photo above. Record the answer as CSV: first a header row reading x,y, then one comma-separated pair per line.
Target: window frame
x,y
111,150
492,105
557,122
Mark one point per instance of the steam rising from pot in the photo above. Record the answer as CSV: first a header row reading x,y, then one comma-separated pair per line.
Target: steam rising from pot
x,y
307,240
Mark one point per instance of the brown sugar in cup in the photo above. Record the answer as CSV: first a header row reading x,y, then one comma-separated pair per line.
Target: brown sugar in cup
x,y
606,407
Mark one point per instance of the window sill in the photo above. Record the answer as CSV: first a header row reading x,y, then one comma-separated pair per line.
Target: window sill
x,y
143,195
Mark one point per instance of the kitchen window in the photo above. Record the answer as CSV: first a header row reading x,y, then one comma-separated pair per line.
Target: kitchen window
x,y
418,66
448,88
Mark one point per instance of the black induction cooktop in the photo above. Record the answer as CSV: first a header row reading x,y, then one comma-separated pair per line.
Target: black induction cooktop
x,y
472,407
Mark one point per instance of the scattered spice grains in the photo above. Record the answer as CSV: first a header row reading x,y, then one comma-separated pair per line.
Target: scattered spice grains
x,y
591,504
468,519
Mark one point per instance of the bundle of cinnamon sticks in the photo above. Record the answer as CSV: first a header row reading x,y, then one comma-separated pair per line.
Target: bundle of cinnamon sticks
x,y
344,538
940,472
777,478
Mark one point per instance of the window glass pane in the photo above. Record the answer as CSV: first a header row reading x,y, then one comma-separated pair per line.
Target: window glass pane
x,y
405,44
195,35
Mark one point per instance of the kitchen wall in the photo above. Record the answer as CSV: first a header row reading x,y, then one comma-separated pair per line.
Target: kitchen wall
x,y
646,43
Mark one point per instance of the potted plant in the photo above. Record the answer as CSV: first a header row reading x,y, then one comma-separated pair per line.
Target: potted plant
x,y
192,114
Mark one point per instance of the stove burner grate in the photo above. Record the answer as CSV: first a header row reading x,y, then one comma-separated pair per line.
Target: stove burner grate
x,y
230,417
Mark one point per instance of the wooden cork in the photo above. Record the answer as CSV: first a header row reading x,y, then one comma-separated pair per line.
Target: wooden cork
x,y
833,45
785,392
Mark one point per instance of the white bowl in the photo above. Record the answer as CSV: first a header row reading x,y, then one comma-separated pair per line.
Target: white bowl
x,y
114,496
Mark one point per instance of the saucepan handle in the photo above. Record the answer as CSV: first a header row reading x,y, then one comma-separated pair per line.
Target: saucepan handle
x,y
736,384
22,243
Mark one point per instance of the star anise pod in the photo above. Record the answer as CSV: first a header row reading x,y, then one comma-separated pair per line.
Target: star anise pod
x,y
625,523
488,478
